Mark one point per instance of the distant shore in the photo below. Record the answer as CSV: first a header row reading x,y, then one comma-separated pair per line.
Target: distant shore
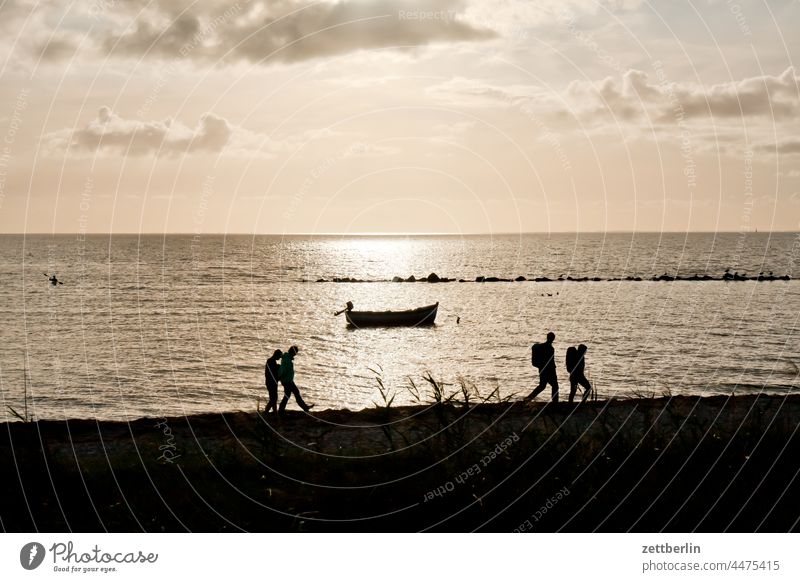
x,y
672,464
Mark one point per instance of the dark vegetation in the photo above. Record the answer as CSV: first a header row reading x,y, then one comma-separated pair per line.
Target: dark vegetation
x,y
672,464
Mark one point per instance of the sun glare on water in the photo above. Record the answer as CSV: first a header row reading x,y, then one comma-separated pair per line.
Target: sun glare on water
x,y
380,254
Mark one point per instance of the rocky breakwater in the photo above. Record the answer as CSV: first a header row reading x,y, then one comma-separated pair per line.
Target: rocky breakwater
x,y
727,276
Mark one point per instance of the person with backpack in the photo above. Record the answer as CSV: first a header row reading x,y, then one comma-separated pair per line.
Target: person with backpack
x,y
575,364
286,376
543,357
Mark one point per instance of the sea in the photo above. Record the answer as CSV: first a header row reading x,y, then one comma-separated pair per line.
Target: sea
x,y
165,325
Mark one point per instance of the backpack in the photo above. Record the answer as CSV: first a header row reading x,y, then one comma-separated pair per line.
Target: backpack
x,y
538,355
573,358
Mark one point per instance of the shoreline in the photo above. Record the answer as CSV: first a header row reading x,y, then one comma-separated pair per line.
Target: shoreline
x,y
718,463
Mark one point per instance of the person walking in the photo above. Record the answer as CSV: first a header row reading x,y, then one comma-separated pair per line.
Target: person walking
x,y
543,357
286,376
576,361
271,380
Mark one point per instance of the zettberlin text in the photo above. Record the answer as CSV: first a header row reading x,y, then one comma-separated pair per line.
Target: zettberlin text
x,y
670,549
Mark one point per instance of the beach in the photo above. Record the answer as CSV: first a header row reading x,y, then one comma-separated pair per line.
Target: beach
x,y
673,464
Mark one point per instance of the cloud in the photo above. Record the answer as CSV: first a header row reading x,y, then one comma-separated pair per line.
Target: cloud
x,y
633,96
509,15
13,11
722,117
111,133
56,47
34,28
622,97
465,92
286,31
789,146
277,30
767,95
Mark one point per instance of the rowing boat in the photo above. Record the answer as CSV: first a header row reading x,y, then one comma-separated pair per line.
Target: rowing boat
x,y
411,317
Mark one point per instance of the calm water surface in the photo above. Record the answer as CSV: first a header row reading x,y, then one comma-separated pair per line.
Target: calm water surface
x,y
154,325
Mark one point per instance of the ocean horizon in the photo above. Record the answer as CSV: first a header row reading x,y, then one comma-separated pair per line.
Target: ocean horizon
x,y
400,234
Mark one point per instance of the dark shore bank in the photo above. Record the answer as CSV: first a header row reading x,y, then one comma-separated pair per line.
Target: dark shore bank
x,y
672,464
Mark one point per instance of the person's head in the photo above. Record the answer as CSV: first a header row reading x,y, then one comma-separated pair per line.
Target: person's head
x,y
582,348
550,337
293,350
277,354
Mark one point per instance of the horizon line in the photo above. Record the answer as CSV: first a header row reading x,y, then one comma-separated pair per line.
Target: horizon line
x,y
393,234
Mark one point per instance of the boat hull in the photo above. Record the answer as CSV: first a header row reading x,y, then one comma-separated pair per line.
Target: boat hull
x,y
412,317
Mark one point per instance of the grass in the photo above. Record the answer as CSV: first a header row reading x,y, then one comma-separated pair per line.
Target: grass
x,y
25,417
17,414
441,396
387,398
438,394
467,390
438,390
650,393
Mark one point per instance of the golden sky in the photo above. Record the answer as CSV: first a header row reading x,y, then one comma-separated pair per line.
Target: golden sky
x,y
386,116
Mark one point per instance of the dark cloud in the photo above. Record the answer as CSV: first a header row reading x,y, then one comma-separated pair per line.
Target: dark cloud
x,y
288,31
56,48
114,134
790,146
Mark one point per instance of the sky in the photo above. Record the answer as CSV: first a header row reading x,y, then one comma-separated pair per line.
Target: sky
x,y
388,116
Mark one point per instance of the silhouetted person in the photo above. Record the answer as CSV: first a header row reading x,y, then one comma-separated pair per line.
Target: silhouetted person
x,y
543,357
286,376
576,360
271,380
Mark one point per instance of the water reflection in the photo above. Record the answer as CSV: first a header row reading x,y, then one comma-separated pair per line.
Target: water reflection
x,y
137,331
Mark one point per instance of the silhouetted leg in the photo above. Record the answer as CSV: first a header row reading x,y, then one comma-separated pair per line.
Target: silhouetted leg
x,y
540,387
299,399
286,393
587,388
573,388
272,404
554,385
